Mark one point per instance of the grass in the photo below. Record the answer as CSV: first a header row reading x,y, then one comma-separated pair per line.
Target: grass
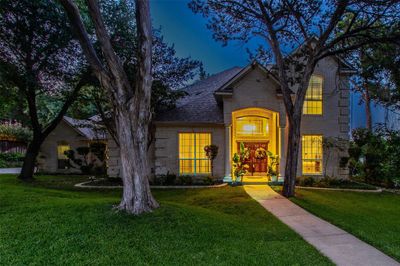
x,y
51,222
373,217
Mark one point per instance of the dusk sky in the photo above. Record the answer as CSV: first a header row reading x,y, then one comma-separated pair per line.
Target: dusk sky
x,y
188,32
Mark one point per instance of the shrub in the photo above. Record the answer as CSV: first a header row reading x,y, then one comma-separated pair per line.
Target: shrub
x,y
185,180
306,181
167,179
15,131
12,159
84,163
330,182
208,180
374,157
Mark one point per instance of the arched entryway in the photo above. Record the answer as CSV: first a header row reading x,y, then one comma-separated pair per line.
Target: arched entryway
x,y
258,130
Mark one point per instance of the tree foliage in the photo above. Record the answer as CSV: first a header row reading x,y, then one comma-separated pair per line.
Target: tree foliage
x,y
38,60
298,34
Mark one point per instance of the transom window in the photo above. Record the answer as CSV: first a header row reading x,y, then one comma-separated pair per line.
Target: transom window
x,y
252,126
192,157
312,154
313,100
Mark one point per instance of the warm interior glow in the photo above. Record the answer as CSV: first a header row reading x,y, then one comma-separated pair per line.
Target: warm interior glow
x,y
313,101
312,154
252,126
192,157
256,128
61,149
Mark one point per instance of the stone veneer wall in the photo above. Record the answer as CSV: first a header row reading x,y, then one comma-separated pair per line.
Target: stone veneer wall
x,y
163,154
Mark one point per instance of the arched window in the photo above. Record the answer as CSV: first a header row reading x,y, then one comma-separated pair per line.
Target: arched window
x,y
313,100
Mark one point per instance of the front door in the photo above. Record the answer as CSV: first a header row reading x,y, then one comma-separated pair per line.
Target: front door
x,y
257,162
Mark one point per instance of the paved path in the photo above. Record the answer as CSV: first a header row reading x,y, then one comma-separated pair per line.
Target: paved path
x,y
339,246
10,170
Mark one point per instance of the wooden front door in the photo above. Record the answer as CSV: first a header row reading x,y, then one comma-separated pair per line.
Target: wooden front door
x,y
256,165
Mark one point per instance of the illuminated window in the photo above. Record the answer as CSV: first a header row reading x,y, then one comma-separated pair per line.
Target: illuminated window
x,y
252,126
63,161
192,157
313,100
312,154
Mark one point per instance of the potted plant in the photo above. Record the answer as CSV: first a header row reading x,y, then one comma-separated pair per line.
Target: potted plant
x,y
239,163
211,153
273,166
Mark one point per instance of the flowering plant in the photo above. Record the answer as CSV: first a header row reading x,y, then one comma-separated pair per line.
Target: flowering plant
x,y
211,152
14,131
239,162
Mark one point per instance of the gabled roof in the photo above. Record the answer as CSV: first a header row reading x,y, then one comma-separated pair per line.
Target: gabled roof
x,y
200,105
227,89
87,128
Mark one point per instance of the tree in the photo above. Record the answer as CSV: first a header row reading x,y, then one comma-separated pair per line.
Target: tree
x,y
380,73
131,101
170,72
309,27
38,58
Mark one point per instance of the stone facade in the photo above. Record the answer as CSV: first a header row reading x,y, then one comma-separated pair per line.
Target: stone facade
x,y
69,134
252,87
48,157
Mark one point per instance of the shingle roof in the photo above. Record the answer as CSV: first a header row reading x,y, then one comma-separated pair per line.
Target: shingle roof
x,y
200,105
87,128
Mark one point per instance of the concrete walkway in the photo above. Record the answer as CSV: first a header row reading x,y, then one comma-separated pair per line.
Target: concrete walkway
x,y
339,246
10,170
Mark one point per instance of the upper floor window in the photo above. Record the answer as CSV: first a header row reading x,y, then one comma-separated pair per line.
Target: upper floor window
x,y
313,100
192,157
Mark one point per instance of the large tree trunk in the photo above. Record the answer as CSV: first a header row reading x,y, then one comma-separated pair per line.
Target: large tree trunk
x,y
28,167
132,105
135,171
293,146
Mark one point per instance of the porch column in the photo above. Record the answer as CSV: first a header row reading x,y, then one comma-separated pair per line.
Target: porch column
x,y
228,171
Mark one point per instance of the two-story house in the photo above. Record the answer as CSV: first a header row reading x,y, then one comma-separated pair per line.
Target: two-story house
x,y
245,105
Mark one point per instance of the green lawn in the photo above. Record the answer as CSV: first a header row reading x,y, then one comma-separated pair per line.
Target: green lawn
x,y
51,222
373,217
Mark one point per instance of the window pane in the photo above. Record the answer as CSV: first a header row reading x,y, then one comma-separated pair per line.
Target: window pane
x,y
252,126
61,149
313,100
312,154
192,157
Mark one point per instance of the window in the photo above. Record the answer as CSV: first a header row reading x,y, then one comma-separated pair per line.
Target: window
x,y
312,154
63,161
252,126
313,100
192,157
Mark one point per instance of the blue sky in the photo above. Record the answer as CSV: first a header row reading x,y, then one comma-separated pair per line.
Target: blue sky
x,y
188,32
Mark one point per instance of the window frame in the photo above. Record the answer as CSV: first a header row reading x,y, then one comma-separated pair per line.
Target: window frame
x,y
313,100
63,163
194,159
312,159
